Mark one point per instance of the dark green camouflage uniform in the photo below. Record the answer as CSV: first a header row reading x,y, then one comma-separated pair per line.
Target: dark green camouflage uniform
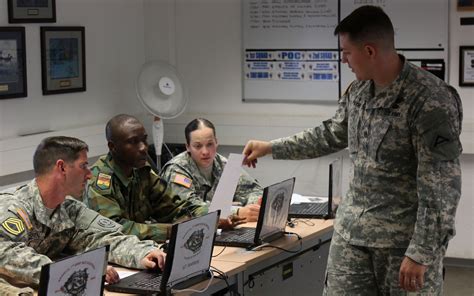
x,y
248,190
144,204
33,238
405,179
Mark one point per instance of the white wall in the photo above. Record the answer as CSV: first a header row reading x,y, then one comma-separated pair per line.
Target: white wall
x,y
114,31
203,39
205,46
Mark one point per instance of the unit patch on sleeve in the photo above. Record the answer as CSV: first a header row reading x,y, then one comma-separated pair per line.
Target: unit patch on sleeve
x,y
13,226
182,180
103,181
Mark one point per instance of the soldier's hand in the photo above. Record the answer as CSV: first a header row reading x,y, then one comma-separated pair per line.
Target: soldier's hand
x,y
411,276
111,275
154,259
255,149
230,222
249,212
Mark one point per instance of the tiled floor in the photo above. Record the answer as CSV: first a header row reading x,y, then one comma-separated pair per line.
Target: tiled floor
x,y
459,281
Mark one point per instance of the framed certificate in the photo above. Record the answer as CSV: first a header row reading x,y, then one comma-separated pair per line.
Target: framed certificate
x,y
31,11
466,66
63,60
12,63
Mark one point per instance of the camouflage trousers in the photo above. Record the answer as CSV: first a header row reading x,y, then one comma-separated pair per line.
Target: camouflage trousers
x,y
354,270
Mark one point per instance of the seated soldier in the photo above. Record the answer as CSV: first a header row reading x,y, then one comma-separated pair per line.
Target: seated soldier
x,y
42,220
195,173
125,189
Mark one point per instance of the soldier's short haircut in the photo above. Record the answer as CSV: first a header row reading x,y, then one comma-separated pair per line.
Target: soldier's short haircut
x,y
52,149
367,23
114,124
196,124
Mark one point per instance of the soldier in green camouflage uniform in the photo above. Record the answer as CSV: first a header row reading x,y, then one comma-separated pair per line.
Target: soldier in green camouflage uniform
x,y
41,221
186,178
125,189
393,227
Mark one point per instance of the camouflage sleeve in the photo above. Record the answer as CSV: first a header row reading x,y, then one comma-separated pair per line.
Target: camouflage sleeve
x,y
95,230
185,191
107,206
20,261
329,137
17,260
170,205
436,139
7,289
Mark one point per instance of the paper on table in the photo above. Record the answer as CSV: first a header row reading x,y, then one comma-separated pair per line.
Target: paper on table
x,y
222,199
126,273
298,198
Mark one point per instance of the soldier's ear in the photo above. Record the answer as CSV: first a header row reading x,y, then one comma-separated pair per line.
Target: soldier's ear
x,y
111,146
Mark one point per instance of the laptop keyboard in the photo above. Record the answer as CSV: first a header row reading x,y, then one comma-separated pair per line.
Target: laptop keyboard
x,y
148,281
310,208
242,235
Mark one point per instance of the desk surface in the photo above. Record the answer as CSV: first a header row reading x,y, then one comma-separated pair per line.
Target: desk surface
x,y
307,229
233,261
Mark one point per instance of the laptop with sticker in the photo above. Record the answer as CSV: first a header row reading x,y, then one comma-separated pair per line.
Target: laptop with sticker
x,y
187,263
271,220
82,274
322,210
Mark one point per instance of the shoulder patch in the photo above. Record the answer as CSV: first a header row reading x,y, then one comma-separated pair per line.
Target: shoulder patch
x,y
103,181
13,226
182,180
25,217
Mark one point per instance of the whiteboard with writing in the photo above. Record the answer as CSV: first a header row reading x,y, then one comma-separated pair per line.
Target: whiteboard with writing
x,y
290,53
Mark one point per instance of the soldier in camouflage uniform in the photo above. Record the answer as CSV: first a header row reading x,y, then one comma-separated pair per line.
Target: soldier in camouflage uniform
x,y
41,220
125,189
195,173
402,126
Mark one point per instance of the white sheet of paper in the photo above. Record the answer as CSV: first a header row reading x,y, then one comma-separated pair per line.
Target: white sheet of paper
x,y
298,198
222,199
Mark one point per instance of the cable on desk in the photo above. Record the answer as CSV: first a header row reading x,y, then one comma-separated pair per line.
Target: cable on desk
x,y
220,252
295,221
193,290
224,277
266,245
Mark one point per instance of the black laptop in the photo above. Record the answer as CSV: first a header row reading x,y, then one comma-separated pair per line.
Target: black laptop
x,y
271,220
81,274
187,260
322,210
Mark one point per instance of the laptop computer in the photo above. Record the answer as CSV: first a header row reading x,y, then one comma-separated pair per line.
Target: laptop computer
x,y
323,210
82,274
187,263
271,220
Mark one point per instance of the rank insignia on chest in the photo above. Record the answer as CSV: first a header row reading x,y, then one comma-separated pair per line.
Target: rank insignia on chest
x,y
13,226
103,181
182,180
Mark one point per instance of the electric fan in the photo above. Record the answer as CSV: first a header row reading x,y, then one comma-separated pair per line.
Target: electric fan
x,y
161,92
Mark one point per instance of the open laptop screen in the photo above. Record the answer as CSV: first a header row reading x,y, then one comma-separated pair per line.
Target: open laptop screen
x,y
193,247
335,184
81,274
276,206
